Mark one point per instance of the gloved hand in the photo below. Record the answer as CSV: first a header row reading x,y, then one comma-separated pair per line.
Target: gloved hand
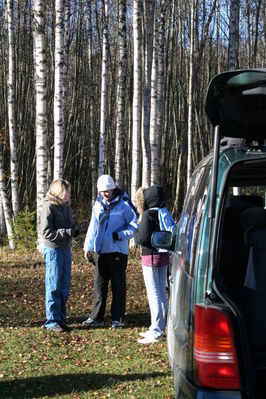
x,y
76,229
115,236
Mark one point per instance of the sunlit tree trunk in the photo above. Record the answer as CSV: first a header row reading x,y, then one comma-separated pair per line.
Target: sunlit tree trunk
x,y
190,96
121,94
58,90
103,90
155,162
136,124
41,119
92,130
11,109
146,151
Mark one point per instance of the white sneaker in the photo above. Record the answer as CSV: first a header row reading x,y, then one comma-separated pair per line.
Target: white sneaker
x,y
144,334
149,340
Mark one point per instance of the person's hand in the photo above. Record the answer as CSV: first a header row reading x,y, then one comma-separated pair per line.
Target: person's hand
x,y
75,231
115,236
89,256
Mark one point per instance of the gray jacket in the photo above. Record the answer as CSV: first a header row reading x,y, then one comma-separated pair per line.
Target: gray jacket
x,y
56,222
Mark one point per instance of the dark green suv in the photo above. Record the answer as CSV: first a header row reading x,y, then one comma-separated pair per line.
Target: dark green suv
x,y
216,330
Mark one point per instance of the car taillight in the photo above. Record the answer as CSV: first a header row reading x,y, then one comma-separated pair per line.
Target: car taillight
x,y
214,350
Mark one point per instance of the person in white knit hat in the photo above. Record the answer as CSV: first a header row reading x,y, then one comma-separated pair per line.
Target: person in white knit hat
x,y
113,223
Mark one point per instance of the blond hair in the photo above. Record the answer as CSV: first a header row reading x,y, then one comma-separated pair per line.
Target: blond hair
x,y
139,201
59,188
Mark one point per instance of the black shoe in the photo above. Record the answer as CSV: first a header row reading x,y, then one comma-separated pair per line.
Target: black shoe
x,y
92,323
65,327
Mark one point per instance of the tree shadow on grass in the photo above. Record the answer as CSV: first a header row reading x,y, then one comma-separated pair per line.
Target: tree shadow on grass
x,y
63,384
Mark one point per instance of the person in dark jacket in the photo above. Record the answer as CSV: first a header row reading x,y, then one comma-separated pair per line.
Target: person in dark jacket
x,y
58,227
150,202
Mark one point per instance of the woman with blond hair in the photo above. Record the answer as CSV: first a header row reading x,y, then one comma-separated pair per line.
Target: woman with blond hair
x,y
58,227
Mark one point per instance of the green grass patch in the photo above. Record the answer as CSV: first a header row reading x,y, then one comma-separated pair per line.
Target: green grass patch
x,y
85,363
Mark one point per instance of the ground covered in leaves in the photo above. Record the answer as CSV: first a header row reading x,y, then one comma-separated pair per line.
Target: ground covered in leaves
x,y
99,363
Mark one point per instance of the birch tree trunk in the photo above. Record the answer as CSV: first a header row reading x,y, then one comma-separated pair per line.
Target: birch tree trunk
x,y
121,95
136,113
155,163
103,90
11,109
190,96
146,151
5,203
41,119
58,90
93,166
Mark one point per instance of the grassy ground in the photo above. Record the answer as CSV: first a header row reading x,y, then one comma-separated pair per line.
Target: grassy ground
x,y
99,363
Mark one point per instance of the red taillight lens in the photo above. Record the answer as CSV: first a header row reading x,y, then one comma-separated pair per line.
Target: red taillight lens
x,y
214,350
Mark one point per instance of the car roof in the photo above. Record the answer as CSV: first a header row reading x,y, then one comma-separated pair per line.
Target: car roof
x,y
236,101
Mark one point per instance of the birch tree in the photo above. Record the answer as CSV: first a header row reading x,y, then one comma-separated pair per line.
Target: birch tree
x,y
41,119
11,109
103,89
149,6
58,90
5,201
155,164
136,114
121,94
93,169
190,95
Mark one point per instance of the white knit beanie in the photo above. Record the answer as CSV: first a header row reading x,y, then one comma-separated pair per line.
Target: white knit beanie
x,y
105,182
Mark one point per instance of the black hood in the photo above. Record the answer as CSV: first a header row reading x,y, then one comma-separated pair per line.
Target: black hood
x,y
154,197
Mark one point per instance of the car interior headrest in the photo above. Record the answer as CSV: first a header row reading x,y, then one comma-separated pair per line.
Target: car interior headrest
x,y
253,217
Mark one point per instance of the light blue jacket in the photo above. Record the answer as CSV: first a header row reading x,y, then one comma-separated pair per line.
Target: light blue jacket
x,y
107,218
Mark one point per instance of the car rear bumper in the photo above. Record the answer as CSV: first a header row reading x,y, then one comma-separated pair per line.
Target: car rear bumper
x,y
185,389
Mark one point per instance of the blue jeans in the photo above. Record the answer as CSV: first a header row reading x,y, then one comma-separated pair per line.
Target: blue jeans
x,y
155,282
57,284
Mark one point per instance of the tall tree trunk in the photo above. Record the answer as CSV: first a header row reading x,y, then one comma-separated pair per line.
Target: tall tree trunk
x,y
103,90
93,161
190,96
58,90
136,114
233,35
5,202
11,109
41,119
146,151
121,95
155,160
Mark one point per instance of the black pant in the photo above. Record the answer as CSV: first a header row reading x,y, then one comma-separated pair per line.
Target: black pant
x,y
108,267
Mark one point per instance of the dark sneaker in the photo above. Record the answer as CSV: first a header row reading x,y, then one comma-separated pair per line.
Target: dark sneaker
x,y
92,323
116,324
65,327
56,328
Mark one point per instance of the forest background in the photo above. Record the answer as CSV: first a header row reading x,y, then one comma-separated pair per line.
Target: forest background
x,y
118,87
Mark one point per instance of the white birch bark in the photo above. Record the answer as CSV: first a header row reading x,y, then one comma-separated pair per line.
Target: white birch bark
x,y
160,92
121,95
136,112
155,164
5,203
41,118
93,166
146,152
103,91
58,90
190,96
11,109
